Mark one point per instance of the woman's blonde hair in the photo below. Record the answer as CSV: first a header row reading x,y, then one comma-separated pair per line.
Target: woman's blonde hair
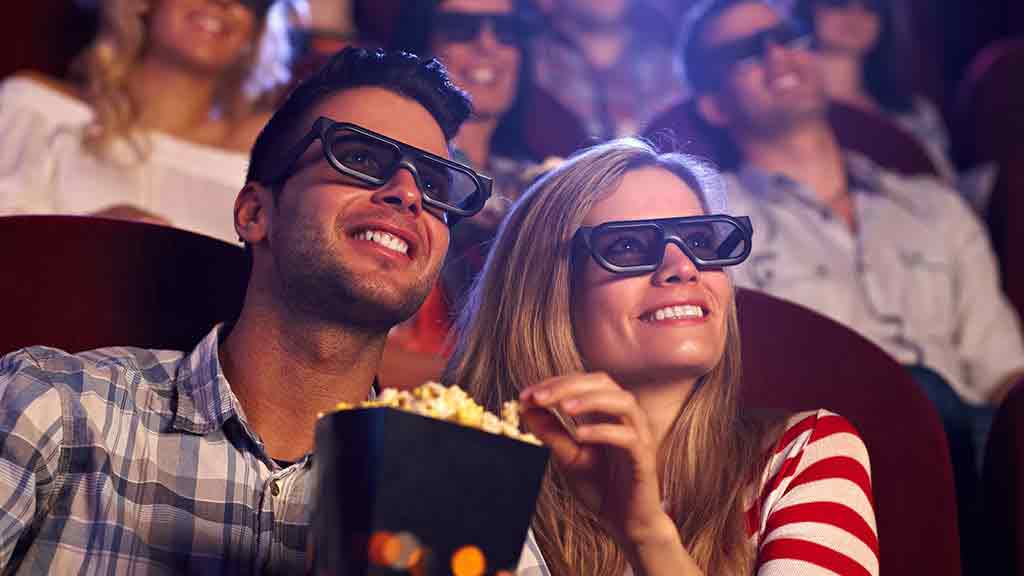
x,y
516,330
105,64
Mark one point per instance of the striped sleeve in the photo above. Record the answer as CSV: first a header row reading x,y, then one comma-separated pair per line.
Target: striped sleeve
x,y
814,513
30,439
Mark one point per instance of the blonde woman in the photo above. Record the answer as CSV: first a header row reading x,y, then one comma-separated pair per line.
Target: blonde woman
x,y
605,304
167,101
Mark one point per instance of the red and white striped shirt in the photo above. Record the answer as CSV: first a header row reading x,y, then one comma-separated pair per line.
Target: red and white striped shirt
x,y
813,513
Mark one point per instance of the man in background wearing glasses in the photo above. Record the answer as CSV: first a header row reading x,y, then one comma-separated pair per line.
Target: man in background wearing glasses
x,y
902,261
123,460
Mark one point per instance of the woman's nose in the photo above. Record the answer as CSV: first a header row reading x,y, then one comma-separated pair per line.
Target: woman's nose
x,y
676,267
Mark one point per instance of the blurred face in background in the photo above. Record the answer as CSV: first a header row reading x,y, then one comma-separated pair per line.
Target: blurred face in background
x,y
591,13
209,36
775,86
849,27
478,42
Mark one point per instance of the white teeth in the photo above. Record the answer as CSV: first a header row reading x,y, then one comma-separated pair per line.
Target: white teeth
x,y
385,239
684,311
482,75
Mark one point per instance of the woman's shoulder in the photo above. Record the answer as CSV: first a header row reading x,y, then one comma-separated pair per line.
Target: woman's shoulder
x,y
820,443
59,99
799,430
815,493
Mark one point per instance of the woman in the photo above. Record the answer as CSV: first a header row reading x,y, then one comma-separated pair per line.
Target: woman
x,y
480,42
854,39
632,340
169,98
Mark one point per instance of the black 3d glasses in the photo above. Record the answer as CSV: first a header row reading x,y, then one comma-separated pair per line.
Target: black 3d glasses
x,y
754,48
462,27
453,189
638,246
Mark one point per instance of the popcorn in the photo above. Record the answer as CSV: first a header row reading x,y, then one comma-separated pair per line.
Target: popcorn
x,y
452,404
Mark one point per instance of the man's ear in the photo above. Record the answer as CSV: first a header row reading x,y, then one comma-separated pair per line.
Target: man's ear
x,y
711,111
253,212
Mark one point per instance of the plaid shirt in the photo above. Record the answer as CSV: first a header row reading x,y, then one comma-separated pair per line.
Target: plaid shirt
x,y
123,460
131,461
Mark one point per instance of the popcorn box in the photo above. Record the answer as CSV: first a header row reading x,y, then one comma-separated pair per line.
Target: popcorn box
x,y
402,493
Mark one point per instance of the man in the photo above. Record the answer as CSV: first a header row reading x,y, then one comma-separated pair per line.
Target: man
x,y
128,460
606,63
900,260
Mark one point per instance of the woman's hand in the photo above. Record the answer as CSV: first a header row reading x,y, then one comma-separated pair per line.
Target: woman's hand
x,y
611,463
611,459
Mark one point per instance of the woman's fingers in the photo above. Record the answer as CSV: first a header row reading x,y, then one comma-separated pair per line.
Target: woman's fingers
x,y
545,426
602,405
553,390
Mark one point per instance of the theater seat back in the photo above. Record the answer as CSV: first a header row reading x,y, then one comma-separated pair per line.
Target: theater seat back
x,y
795,359
79,283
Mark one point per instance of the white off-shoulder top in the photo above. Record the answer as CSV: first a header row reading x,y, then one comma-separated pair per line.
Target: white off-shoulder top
x,y
45,170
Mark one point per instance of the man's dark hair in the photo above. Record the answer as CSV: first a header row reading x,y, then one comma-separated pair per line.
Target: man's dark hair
x,y
424,81
700,72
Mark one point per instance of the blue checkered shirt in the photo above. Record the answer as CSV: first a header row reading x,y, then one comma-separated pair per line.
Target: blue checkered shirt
x,y
125,461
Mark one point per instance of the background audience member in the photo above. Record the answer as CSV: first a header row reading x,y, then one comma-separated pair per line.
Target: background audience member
x,y
903,261
165,102
607,63
480,42
854,43
661,471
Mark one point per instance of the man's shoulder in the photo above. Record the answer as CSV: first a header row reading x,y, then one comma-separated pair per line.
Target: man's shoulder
x,y
101,373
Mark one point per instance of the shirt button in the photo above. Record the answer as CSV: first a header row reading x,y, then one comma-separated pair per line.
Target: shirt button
x,y
275,487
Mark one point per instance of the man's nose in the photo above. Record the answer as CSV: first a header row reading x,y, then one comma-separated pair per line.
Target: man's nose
x,y
401,192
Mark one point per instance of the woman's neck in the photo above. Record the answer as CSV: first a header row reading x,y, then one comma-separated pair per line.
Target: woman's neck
x,y
662,402
474,140
843,75
174,100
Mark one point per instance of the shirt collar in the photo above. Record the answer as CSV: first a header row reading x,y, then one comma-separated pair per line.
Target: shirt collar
x,y
205,399
864,175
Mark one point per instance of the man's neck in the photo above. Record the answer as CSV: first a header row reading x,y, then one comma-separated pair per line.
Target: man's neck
x,y
810,155
286,372
602,46
176,101
474,139
843,75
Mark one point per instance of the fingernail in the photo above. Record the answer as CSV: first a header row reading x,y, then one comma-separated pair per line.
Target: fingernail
x,y
570,404
542,394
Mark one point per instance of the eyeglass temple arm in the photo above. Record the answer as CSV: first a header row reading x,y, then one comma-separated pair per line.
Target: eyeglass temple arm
x,y
293,154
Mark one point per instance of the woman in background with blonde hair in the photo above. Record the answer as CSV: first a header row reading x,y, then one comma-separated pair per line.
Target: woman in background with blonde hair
x,y
605,308
167,101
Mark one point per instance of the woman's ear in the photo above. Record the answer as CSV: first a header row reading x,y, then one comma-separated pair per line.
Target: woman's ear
x,y
253,213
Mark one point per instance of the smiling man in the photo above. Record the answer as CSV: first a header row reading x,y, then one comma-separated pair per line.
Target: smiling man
x,y
902,261
129,460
